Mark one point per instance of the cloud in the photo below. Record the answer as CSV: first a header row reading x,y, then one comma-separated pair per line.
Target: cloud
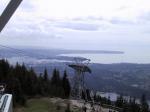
x,y
145,17
78,26
27,29
27,5
77,23
121,22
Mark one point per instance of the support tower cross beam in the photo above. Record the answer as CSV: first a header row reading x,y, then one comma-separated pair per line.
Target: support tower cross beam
x,y
8,12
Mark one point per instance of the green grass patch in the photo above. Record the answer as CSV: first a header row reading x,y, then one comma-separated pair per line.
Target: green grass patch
x,y
40,105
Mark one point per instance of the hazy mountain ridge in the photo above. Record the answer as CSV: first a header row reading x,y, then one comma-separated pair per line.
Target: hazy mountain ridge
x,y
111,77
124,78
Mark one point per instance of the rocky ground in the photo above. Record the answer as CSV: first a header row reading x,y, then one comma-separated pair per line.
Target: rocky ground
x,y
59,105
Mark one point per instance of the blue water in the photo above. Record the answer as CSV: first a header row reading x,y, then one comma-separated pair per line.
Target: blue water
x,y
127,57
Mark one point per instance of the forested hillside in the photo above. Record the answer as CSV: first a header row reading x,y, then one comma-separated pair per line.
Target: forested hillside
x,y
24,83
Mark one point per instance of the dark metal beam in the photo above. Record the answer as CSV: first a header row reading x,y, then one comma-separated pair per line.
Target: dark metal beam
x,y
8,12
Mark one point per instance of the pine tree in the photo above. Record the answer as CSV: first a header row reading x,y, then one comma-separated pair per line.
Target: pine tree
x,y
55,80
66,84
88,95
56,85
119,102
134,106
144,104
40,89
4,69
83,95
45,75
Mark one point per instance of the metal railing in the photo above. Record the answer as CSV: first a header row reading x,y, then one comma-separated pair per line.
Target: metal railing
x,y
3,103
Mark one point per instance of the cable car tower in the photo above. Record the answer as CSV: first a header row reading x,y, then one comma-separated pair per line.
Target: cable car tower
x,y
80,67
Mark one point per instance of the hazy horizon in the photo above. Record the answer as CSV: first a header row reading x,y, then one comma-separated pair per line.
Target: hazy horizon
x,y
120,25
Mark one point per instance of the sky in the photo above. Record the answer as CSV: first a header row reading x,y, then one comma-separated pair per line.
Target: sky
x,y
79,24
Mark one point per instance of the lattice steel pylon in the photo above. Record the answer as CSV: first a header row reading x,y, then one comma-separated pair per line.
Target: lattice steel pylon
x,y
80,67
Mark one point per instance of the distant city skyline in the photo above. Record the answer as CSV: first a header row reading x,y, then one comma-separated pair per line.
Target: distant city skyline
x,y
80,24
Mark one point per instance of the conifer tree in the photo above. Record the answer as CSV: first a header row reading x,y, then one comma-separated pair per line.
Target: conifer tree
x,y
144,104
119,102
55,80
45,75
66,84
